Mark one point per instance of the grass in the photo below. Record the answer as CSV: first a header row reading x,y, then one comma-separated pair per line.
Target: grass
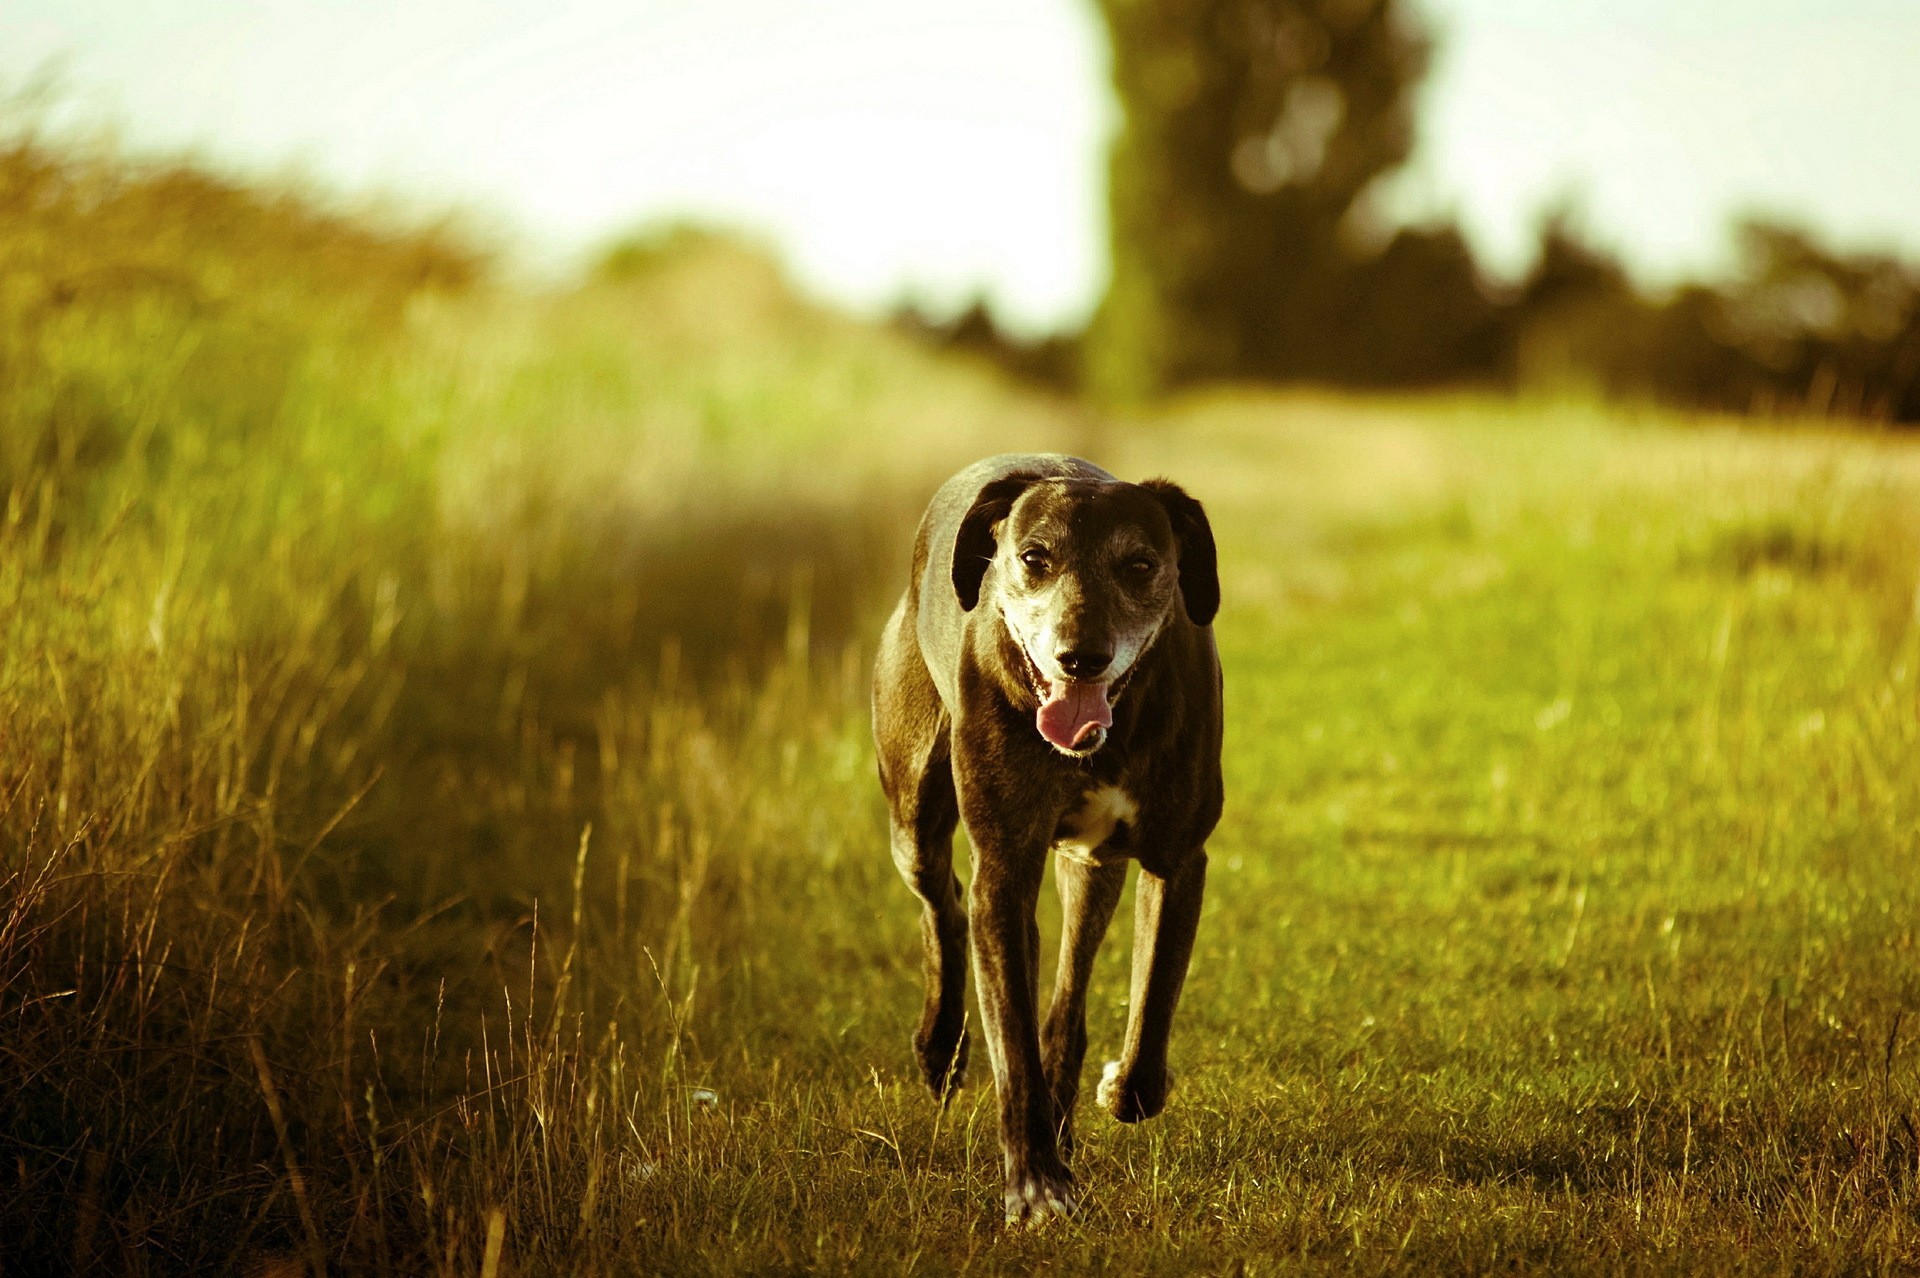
x,y
438,834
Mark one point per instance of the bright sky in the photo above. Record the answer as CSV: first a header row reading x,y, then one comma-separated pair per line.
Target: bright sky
x,y
889,145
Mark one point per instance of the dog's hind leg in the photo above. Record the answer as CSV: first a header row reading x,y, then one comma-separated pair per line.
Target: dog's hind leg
x,y
1088,895
922,833
1166,916
911,735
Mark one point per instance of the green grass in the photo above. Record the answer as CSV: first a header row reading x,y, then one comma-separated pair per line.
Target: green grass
x,y
435,801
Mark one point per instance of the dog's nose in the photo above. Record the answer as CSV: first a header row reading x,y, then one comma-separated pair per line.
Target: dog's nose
x,y
1083,663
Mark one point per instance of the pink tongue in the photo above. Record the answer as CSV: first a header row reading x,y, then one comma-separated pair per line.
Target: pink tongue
x,y
1072,711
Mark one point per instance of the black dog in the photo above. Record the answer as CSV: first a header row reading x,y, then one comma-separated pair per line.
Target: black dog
x,y
1050,678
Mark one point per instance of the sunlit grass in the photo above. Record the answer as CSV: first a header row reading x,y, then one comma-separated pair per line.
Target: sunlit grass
x,y
435,799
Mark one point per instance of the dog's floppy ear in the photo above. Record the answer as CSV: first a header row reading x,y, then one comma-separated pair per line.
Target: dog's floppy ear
x,y
973,545
1199,567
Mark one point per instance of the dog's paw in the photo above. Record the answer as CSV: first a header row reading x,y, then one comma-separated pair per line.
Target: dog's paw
x,y
1132,1100
1109,1089
1037,1197
943,1066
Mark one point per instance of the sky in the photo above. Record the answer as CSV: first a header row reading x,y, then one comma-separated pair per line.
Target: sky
x,y
896,147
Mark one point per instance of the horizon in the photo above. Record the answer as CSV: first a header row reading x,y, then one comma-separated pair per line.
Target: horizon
x,y
568,126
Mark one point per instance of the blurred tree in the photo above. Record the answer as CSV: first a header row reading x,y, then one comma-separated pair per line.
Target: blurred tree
x,y
1052,361
1248,241
1839,332
1253,131
1579,322
1797,327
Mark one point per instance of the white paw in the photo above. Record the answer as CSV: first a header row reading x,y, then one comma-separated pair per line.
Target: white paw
x,y
1126,1100
1108,1093
1035,1199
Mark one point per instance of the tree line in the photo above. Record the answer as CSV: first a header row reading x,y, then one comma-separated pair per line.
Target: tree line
x,y
1246,244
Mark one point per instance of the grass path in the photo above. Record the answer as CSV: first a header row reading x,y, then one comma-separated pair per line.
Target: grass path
x,y
1562,917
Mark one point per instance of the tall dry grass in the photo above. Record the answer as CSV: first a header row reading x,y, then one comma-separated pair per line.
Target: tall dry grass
x,y
342,593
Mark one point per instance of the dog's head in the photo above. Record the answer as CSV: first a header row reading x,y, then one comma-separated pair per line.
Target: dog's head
x,y
1086,574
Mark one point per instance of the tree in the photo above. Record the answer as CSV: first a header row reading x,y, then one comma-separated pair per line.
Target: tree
x,y
1252,132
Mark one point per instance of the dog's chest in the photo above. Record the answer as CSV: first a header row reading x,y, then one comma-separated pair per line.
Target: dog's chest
x,y
1098,828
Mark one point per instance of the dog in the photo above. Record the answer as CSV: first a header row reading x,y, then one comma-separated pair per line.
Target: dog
x,y
1050,678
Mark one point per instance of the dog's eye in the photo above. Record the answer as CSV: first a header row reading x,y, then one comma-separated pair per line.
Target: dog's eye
x,y
1141,567
1034,558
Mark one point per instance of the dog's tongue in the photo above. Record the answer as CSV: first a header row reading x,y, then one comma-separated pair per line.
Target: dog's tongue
x,y
1072,711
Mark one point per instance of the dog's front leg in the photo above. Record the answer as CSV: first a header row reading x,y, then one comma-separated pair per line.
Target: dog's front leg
x,y
1006,887
1166,916
1088,895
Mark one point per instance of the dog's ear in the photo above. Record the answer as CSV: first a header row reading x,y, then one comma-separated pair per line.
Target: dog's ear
x,y
973,545
1199,567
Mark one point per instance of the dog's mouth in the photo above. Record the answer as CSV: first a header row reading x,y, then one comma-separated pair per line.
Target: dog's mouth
x,y
1074,714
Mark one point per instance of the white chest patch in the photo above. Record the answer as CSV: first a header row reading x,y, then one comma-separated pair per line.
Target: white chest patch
x,y
1083,832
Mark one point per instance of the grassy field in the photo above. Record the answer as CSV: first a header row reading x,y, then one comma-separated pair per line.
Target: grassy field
x,y
438,831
